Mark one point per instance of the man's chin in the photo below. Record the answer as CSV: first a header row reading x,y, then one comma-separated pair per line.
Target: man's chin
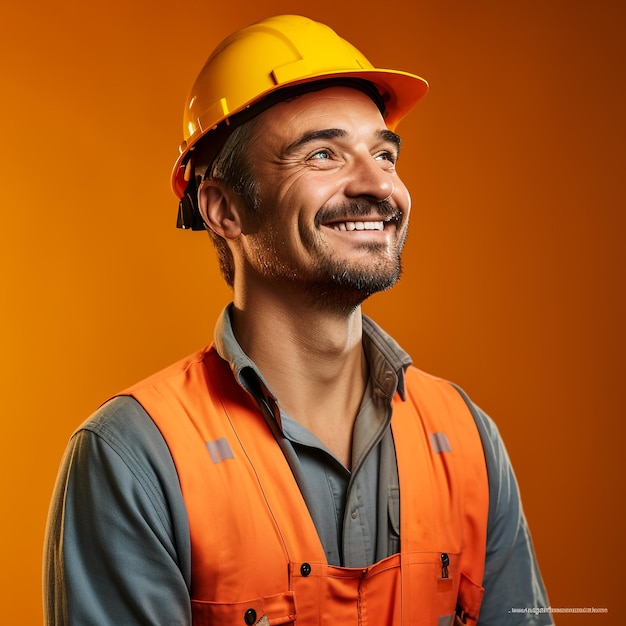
x,y
345,290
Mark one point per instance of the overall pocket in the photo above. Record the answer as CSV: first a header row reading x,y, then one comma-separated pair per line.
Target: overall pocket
x,y
275,610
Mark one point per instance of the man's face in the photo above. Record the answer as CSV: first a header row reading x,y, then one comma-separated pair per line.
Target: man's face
x,y
333,212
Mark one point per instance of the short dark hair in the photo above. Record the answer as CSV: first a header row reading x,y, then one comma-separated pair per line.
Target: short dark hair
x,y
231,167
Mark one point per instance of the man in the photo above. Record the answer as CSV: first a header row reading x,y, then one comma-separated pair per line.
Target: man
x,y
299,470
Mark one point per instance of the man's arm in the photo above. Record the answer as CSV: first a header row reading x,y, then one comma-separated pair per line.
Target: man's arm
x,y
512,578
117,542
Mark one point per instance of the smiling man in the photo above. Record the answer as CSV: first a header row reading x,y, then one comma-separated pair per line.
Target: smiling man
x,y
333,207
299,469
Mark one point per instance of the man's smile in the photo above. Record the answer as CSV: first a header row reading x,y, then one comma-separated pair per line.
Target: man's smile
x,y
360,217
378,225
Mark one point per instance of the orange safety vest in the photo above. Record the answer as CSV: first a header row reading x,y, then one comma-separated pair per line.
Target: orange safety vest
x,y
256,555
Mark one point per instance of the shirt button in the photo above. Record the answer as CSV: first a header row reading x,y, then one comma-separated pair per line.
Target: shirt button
x,y
305,569
354,514
249,617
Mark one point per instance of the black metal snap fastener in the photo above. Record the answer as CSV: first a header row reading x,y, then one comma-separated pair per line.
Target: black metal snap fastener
x,y
305,569
250,617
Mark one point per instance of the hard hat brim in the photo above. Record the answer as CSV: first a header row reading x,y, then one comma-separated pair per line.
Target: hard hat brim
x,y
400,92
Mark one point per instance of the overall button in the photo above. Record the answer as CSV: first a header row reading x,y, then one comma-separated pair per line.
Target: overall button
x,y
305,569
250,617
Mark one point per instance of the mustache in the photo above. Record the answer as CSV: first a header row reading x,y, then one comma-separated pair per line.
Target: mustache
x,y
358,208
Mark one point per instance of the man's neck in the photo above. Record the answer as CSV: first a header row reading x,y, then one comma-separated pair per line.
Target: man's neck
x,y
313,361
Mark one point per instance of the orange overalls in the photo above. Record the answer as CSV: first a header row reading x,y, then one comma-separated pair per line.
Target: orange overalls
x,y
256,555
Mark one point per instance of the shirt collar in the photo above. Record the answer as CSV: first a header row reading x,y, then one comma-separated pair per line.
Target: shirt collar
x,y
387,360
244,369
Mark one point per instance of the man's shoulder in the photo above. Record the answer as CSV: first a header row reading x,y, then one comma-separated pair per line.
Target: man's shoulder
x,y
115,414
121,422
417,379
121,440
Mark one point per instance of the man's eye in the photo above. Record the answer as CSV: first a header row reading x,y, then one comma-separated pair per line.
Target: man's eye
x,y
387,156
321,154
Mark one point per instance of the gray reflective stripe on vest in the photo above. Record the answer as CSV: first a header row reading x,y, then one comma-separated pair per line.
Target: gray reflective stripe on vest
x,y
219,450
439,442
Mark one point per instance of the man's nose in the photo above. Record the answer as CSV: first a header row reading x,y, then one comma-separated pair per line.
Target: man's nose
x,y
368,178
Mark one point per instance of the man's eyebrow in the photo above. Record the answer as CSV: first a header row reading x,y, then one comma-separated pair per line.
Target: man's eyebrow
x,y
314,135
391,137
333,133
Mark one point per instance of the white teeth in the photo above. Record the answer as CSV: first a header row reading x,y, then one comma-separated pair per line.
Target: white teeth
x,y
359,226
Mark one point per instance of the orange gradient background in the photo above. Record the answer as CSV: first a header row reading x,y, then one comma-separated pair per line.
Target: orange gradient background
x,y
513,283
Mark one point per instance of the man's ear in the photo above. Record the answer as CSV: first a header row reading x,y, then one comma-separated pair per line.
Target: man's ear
x,y
218,210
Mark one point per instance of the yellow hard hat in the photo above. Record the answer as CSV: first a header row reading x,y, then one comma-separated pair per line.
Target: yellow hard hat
x,y
269,55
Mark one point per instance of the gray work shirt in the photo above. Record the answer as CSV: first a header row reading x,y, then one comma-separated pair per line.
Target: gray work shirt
x,y
117,541
356,513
